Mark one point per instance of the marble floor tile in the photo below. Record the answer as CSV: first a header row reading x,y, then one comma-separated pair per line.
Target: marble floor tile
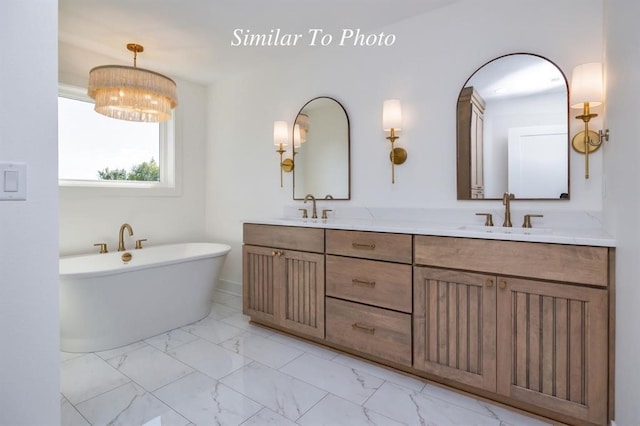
x,y
280,392
481,407
219,311
229,299
386,374
349,383
126,405
335,411
87,376
303,345
171,340
210,359
242,321
213,330
266,417
265,351
112,353
69,416
150,367
205,401
411,407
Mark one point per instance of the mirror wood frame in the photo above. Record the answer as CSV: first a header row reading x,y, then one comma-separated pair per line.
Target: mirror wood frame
x,y
348,141
463,142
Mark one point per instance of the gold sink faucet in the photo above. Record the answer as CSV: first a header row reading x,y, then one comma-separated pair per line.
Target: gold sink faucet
x,y
314,214
506,200
121,236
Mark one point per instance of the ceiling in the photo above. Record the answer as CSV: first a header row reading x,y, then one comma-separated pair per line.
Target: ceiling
x,y
191,39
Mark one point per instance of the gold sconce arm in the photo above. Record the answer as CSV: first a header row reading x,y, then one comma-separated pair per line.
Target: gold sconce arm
x,y
397,155
588,141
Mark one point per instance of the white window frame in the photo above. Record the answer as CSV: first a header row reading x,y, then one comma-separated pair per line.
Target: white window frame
x,y
167,162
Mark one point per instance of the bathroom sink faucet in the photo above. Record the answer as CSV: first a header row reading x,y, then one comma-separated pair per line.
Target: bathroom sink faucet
x,y
506,200
314,214
121,236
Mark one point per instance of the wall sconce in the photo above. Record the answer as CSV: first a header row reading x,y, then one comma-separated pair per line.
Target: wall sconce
x,y
280,139
392,123
586,92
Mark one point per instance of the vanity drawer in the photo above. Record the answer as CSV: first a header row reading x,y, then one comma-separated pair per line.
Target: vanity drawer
x,y
286,237
557,262
370,245
383,284
375,331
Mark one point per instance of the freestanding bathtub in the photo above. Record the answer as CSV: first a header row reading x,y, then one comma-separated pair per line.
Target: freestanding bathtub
x,y
106,303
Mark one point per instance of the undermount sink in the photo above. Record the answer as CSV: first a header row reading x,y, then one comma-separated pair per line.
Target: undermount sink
x,y
505,230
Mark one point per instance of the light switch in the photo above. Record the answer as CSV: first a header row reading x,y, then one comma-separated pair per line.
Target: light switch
x,y
13,181
10,181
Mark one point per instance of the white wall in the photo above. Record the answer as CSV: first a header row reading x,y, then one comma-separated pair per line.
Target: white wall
x,y
89,216
622,200
432,58
29,378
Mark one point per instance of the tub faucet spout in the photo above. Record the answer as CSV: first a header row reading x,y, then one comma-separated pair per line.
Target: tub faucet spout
x,y
121,236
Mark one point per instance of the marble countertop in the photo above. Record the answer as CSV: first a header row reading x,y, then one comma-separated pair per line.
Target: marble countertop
x,y
544,233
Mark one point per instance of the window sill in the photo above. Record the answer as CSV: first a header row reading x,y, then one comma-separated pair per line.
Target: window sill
x,y
118,188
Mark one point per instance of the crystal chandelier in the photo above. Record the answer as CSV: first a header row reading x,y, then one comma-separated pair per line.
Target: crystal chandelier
x,y
131,93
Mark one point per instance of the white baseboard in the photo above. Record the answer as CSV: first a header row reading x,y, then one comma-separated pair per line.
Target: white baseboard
x,y
232,287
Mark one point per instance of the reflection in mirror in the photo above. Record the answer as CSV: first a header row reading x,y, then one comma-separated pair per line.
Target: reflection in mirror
x,y
512,130
323,155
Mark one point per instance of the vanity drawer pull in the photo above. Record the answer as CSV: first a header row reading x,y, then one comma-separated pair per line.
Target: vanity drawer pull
x,y
364,328
365,246
363,282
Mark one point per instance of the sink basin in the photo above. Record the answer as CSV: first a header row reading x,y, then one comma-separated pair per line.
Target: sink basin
x,y
505,230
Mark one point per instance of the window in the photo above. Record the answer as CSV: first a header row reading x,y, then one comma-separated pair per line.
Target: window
x,y
98,151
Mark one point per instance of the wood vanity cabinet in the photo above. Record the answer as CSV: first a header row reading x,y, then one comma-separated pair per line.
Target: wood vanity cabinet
x,y
528,321
526,324
283,277
368,303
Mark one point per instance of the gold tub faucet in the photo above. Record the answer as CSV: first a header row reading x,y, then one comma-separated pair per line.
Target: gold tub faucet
x,y
121,236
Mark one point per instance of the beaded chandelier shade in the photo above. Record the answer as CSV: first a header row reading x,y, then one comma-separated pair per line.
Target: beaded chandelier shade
x,y
131,93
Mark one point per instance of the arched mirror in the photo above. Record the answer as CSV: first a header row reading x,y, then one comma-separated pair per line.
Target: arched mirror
x,y
322,152
512,130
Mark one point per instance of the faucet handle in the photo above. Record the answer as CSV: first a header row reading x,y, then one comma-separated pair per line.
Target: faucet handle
x,y
103,247
527,220
304,213
324,213
489,218
139,243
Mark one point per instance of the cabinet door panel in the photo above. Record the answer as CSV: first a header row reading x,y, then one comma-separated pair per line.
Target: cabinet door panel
x,y
553,344
302,293
455,325
259,291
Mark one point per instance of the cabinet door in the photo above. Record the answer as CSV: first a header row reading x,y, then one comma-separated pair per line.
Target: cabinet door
x,y
260,269
552,345
454,326
301,292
